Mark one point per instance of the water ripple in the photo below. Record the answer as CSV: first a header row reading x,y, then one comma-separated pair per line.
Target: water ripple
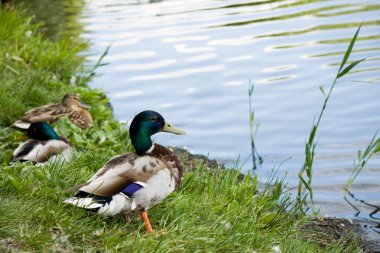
x,y
180,73
201,57
239,58
130,55
183,48
146,66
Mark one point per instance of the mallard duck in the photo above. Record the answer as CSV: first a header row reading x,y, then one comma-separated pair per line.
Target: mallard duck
x,y
44,145
71,106
134,181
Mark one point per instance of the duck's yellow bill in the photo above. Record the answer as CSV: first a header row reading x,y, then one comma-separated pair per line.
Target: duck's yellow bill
x,y
172,129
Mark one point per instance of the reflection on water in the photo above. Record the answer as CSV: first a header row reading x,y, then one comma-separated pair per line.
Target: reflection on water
x,y
191,61
57,16
370,209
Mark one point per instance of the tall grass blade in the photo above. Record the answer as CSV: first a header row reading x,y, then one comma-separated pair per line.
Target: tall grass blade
x,y
312,133
311,143
322,90
370,146
349,67
349,49
363,157
98,63
256,158
377,147
307,185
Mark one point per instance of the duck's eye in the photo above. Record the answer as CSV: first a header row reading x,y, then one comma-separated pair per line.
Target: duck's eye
x,y
154,119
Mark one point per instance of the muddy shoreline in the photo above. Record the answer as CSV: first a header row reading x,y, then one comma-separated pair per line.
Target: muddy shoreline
x,y
326,229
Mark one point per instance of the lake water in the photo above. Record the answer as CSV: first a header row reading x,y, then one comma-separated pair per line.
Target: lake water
x,y
192,62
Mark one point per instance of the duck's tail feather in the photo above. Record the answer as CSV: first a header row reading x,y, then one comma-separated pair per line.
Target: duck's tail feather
x,y
87,200
109,206
86,203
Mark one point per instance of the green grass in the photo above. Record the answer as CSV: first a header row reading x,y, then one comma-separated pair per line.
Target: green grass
x,y
211,211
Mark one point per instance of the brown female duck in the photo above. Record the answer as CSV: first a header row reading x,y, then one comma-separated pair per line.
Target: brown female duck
x,y
71,106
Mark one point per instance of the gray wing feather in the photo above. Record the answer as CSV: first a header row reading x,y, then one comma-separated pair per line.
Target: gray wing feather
x,y
121,171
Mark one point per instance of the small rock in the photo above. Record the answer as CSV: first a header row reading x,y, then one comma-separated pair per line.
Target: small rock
x,y
29,33
73,80
102,139
227,225
98,232
276,249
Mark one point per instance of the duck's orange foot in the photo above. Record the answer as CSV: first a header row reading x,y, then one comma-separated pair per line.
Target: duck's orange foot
x,y
144,216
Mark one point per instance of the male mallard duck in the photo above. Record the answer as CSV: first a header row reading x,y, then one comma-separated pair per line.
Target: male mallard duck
x,y
71,106
134,181
44,145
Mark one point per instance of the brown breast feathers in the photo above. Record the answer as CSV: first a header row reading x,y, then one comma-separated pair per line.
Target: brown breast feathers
x,y
171,160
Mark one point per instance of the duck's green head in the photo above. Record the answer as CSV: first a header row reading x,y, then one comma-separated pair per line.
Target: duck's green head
x,y
144,125
41,131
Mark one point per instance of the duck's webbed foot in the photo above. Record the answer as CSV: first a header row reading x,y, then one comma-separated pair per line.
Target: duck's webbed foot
x,y
144,216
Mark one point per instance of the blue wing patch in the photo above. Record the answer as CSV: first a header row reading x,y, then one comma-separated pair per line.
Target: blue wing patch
x,y
131,189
